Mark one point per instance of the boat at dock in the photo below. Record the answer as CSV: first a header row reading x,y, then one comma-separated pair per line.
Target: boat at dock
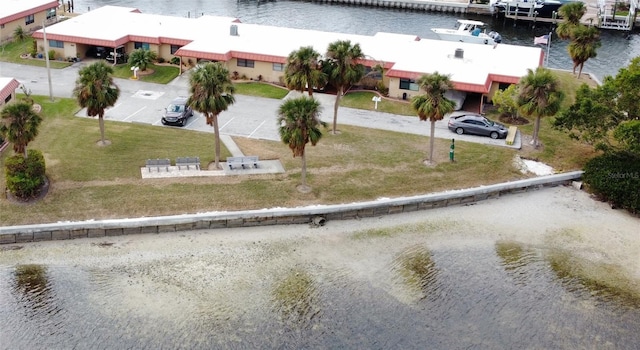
x,y
533,8
468,31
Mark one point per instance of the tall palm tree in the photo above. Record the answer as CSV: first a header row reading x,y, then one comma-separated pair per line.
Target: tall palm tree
x,y
303,70
299,122
572,13
96,91
19,125
344,69
141,58
211,94
432,105
539,96
584,44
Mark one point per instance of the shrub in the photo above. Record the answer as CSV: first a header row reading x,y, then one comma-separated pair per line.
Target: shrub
x,y
175,60
160,60
25,177
383,89
615,177
369,83
52,54
235,75
34,49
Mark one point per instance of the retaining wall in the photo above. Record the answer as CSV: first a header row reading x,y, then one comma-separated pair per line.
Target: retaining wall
x,y
279,216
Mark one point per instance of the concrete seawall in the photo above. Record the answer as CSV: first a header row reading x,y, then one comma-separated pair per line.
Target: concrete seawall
x,y
459,6
277,216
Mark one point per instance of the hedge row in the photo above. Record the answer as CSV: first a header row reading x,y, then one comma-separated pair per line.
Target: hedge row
x,y
615,177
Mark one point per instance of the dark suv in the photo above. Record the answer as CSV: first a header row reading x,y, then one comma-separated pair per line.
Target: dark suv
x,y
177,112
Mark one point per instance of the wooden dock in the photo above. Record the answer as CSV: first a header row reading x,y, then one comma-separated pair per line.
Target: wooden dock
x,y
452,6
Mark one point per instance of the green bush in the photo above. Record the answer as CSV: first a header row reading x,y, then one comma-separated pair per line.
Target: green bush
x,y
25,177
34,49
615,177
175,60
160,60
52,54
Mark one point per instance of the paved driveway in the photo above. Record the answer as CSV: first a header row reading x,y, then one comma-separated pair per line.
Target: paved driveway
x,y
250,116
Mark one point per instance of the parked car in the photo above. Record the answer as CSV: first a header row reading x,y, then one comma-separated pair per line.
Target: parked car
x,y
177,112
476,124
120,57
97,52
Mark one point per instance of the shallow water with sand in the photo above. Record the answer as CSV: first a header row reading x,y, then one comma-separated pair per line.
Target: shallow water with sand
x,y
545,269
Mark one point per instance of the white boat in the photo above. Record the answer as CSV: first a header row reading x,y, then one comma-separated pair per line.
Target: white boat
x,y
468,31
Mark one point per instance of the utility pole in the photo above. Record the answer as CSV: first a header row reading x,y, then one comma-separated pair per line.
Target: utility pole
x,y
46,58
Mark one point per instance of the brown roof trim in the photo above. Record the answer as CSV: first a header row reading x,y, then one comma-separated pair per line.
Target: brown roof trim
x,y
9,89
25,13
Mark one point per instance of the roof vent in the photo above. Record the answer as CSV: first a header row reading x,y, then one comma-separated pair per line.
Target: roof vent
x,y
459,53
234,30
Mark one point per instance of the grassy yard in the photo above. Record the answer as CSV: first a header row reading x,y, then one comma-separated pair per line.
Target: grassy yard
x,y
12,51
92,182
260,90
362,100
159,74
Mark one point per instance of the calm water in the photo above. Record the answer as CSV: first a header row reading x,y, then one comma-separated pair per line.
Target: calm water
x,y
455,297
615,53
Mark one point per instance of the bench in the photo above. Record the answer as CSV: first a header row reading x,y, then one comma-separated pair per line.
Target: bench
x,y
511,135
244,162
188,162
158,163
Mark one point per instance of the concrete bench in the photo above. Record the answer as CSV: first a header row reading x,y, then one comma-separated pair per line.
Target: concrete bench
x,y
243,162
158,164
511,135
188,162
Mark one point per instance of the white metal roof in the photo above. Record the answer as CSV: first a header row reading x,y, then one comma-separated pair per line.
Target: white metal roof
x,y
12,7
212,34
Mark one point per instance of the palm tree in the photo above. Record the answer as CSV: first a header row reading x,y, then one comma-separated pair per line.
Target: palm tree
x,y
433,106
299,121
96,91
344,69
539,96
142,58
19,125
583,46
20,35
211,93
572,13
303,70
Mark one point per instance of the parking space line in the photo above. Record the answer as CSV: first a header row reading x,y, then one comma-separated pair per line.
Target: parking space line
x,y
256,129
225,124
134,113
114,107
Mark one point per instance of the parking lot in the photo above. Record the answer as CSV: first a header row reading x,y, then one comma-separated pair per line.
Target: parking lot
x,y
253,117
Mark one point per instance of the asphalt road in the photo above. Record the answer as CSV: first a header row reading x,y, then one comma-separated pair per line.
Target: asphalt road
x,y
250,116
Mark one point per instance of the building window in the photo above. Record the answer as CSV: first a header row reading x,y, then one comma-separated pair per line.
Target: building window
x,y
51,13
56,43
246,63
408,84
175,48
278,67
139,45
29,19
6,100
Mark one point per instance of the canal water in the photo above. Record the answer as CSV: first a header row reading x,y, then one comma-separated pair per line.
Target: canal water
x,y
548,272
616,51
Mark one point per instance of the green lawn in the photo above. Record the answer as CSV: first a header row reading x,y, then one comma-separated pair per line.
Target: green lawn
x,y
11,52
359,164
260,89
362,100
159,74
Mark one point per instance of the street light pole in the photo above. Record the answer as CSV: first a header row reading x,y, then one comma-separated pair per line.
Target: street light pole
x,y
46,58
